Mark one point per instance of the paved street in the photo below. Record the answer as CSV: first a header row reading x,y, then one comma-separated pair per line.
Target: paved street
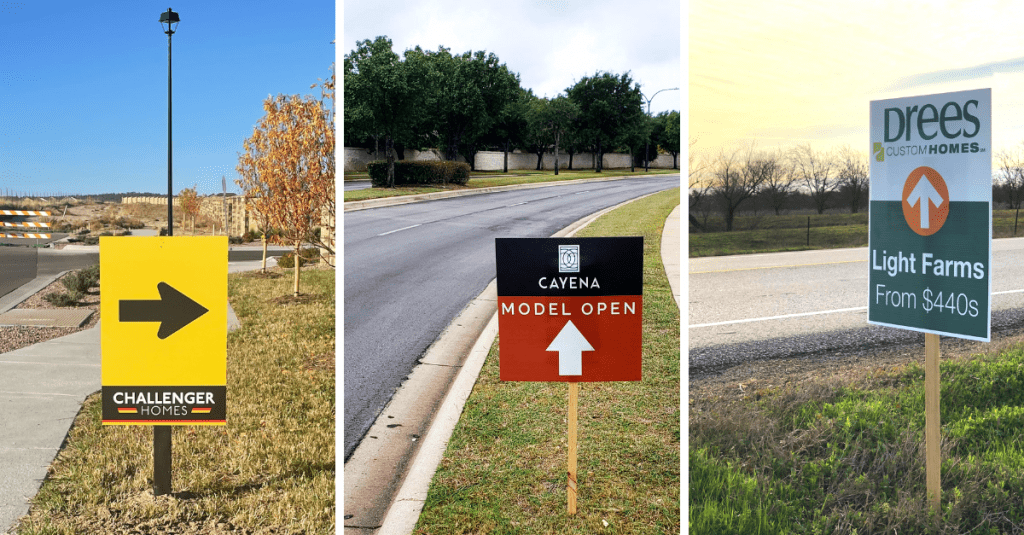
x,y
784,304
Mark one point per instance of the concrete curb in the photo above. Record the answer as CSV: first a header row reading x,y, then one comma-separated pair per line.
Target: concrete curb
x,y
408,503
351,206
30,288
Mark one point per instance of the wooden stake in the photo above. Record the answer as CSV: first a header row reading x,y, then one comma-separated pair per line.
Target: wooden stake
x,y
933,455
571,481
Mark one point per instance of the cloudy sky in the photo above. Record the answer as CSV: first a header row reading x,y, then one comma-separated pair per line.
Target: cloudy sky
x,y
83,88
550,43
792,72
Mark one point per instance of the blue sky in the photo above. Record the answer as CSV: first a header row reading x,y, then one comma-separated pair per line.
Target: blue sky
x,y
83,88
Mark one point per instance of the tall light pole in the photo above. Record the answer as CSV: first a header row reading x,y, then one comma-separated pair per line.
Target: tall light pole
x,y
169,22
647,145
162,433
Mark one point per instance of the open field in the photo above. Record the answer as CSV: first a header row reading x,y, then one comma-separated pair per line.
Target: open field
x,y
271,469
504,470
766,233
840,449
490,179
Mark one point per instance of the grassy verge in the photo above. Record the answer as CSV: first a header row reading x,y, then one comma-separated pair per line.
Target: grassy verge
x,y
847,456
270,470
490,179
505,467
771,233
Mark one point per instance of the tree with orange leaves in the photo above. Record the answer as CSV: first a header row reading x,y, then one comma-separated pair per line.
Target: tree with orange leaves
x,y
190,204
288,167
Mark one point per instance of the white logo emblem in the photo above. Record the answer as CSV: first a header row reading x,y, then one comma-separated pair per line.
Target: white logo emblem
x,y
568,258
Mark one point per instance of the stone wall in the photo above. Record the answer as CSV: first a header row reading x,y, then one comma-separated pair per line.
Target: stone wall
x,y
239,219
357,158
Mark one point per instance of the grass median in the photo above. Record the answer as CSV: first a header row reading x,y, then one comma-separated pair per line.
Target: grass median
x,y
271,469
504,470
769,233
487,179
847,455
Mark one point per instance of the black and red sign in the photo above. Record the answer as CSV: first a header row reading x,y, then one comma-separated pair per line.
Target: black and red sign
x,y
570,309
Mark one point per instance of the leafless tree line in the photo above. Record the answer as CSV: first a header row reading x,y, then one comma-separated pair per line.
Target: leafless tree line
x,y
1008,181
729,179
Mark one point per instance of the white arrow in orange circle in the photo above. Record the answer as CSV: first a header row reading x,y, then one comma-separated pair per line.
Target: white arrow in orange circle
x,y
923,192
570,345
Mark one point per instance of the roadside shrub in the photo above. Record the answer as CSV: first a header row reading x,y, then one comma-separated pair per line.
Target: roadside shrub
x,y
419,173
91,276
251,235
306,256
60,299
80,281
235,240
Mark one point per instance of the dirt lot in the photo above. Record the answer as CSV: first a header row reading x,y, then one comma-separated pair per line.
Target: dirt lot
x,y
84,219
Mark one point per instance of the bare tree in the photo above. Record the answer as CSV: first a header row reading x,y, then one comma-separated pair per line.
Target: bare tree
x,y
778,184
1011,174
735,179
853,175
699,187
819,172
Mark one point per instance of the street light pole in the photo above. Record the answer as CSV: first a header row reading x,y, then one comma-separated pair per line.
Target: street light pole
x,y
162,433
647,144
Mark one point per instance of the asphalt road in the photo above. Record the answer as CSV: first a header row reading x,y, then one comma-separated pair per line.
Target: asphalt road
x,y
410,269
21,264
356,184
791,304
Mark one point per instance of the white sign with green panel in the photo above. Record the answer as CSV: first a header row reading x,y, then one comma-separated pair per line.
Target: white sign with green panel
x,y
930,214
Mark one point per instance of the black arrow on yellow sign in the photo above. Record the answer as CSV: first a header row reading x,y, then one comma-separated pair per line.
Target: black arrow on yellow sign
x,y
173,310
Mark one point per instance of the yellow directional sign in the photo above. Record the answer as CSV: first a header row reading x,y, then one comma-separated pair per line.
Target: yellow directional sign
x,y
163,304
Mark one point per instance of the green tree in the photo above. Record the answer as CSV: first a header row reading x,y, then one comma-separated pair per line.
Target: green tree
x,y
468,95
382,95
510,126
550,118
610,109
634,137
667,126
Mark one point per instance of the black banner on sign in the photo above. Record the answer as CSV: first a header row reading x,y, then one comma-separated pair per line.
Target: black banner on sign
x,y
164,405
569,266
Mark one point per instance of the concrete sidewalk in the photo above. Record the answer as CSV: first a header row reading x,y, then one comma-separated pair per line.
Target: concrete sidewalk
x,y
42,388
670,247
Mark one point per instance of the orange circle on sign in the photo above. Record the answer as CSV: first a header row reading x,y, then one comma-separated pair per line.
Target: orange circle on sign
x,y
925,201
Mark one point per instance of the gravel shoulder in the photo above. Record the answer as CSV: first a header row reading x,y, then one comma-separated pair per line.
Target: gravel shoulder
x,y
12,338
748,381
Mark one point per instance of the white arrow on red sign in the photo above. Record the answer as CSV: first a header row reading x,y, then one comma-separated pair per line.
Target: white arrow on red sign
x,y
570,345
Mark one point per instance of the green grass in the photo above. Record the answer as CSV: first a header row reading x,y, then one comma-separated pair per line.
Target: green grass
x,y
271,469
504,471
767,233
848,457
487,179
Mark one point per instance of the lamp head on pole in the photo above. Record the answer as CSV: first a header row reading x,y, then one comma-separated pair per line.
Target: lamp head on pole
x,y
169,21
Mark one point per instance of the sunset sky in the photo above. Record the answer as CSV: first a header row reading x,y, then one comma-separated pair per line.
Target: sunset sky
x,y
792,72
